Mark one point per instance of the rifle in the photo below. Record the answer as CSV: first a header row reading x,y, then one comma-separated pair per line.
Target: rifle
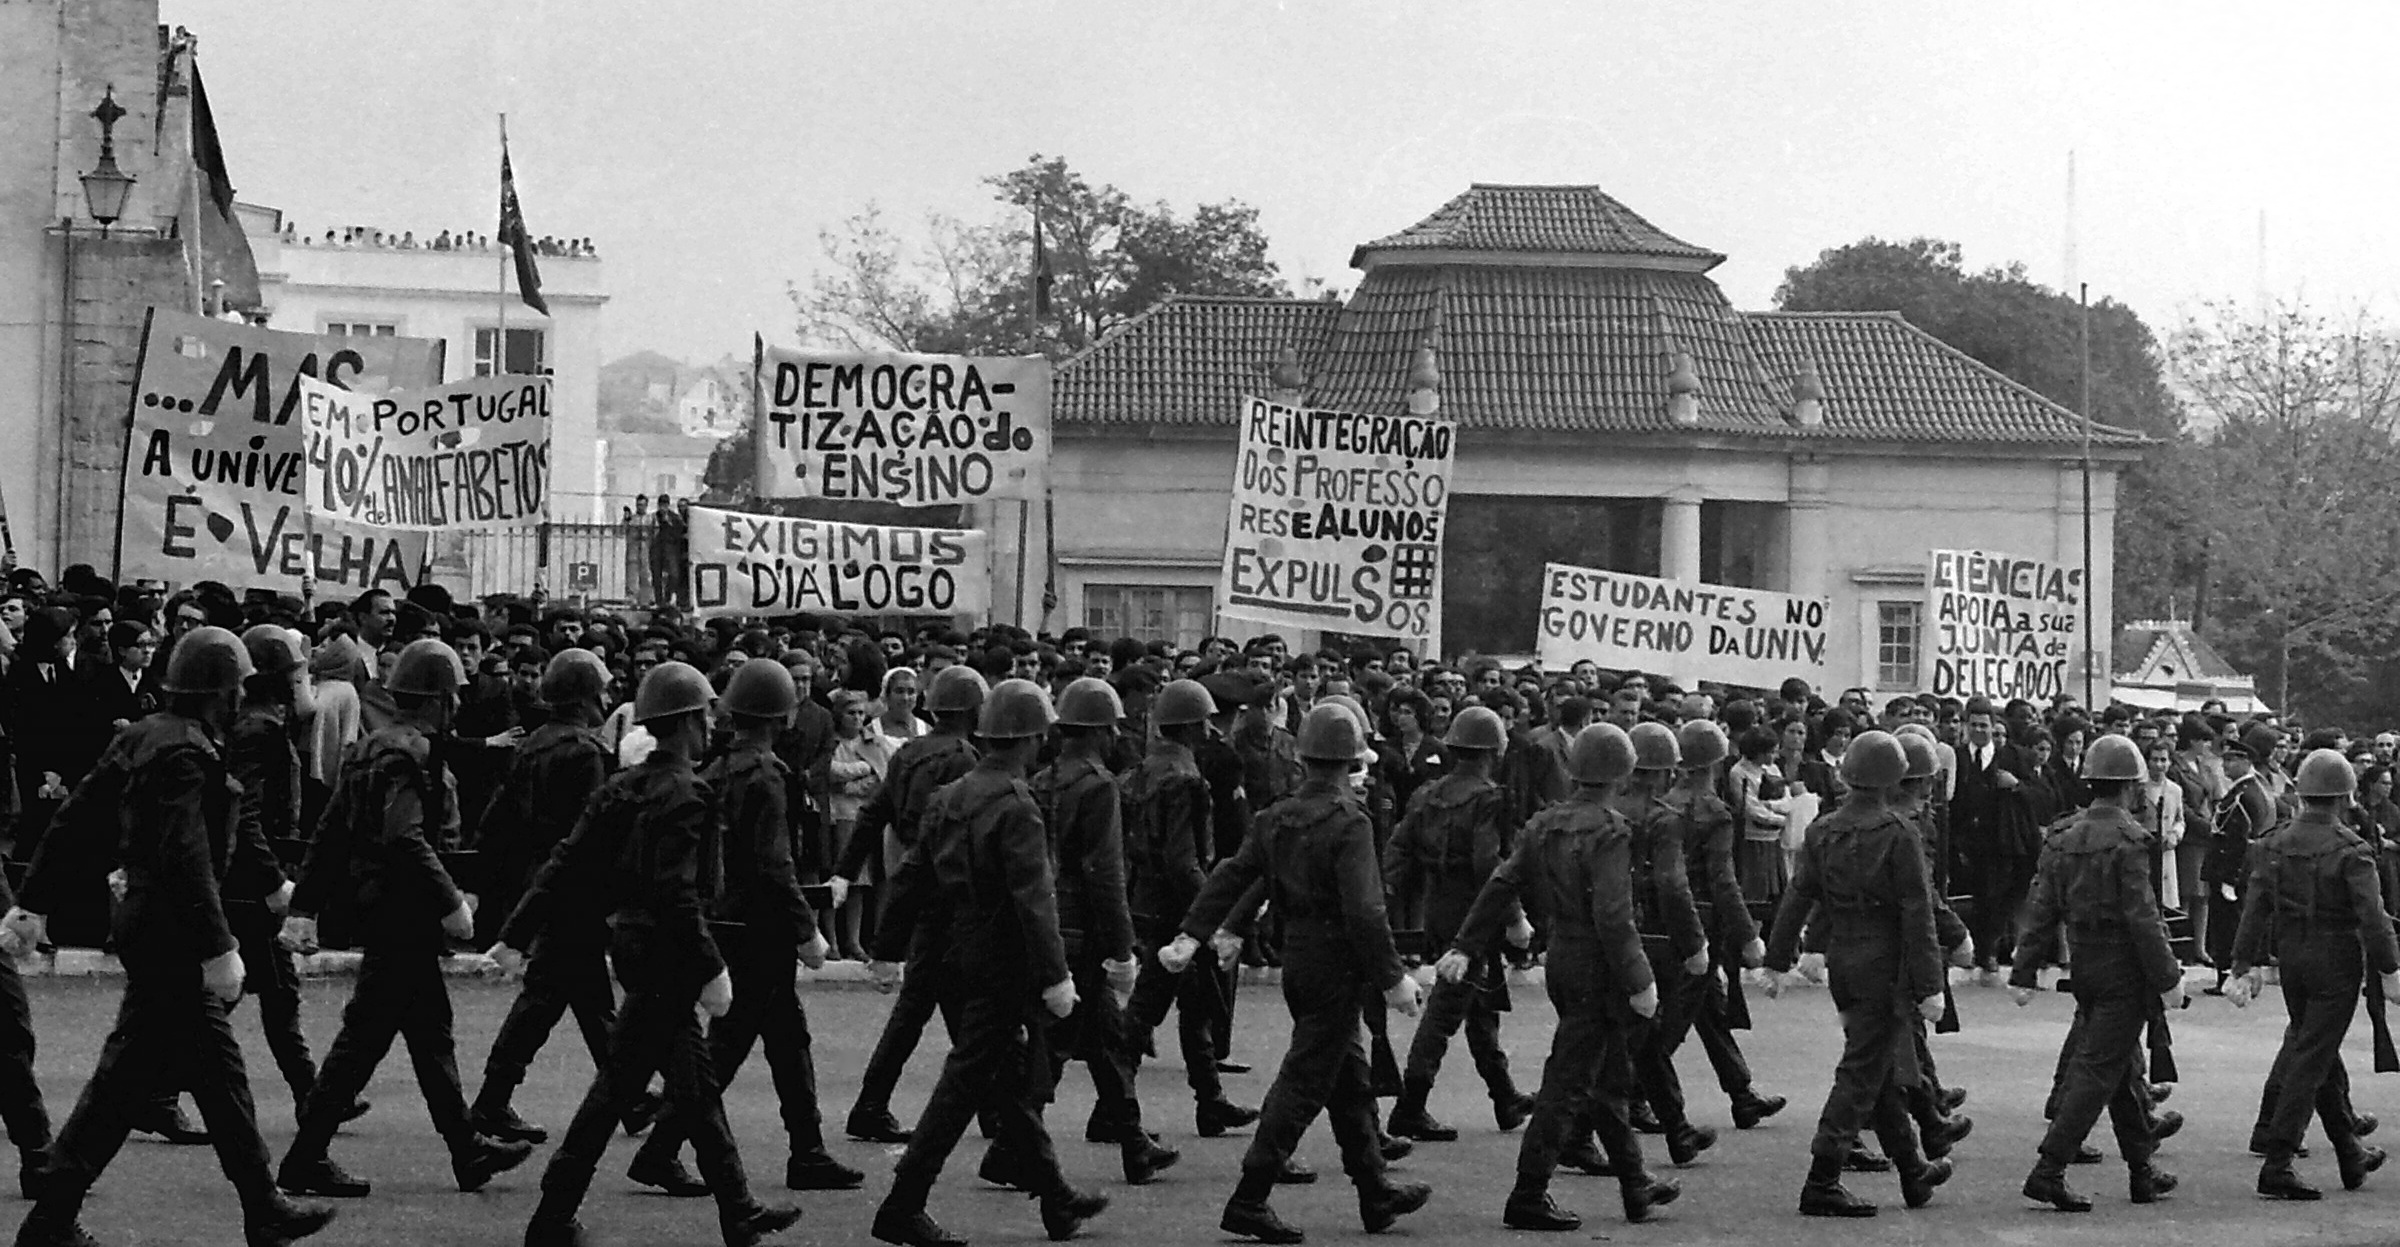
x,y
2387,1061
2162,1043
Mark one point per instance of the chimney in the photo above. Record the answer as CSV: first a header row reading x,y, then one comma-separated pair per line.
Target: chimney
x,y
1683,392
1286,379
1808,397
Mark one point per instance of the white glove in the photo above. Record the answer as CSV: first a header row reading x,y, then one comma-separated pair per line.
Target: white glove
x,y
1406,996
2391,986
1964,958
1754,953
886,975
1931,1008
1812,967
510,961
22,932
840,889
716,999
299,935
2226,890
280,900
1121,976
1177,955
1645,1001
1227,946
117,883
2240,988
461,922
1519,933
1452,967
2022,995
1059,998
2173,997
1697,963
222,975
812,953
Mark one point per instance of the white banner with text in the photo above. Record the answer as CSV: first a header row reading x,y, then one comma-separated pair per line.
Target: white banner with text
x,y
745,564
1750,637
916,430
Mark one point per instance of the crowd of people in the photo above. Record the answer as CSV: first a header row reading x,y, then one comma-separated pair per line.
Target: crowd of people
x,y
1064,838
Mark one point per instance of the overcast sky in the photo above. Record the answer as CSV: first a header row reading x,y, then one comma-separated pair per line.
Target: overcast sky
x,y
703,145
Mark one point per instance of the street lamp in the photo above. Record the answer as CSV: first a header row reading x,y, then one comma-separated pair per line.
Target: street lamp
x,y
105,187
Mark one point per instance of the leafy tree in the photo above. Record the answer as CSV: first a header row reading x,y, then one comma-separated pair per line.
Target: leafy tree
x,y
2032,334
968,288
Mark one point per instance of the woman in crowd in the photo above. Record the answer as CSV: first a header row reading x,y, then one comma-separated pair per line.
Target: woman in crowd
x,y
859,760
1757,786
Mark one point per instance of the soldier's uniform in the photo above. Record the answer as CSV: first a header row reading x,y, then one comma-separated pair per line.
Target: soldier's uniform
x,y
2093,886
1862,871
1081,809
2314,902
1669,921
760,922
261,758
1571,873
1448,844
1709,831
556,771
1169,836
650,844
918,769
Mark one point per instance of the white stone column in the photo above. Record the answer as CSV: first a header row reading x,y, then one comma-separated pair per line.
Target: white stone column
x,y
1679,537
1809,525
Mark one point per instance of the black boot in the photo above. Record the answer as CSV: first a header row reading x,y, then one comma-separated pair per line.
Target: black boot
x,y
53,1223
1215,1117
555,1232
818,1171
1864,1159
2357,1161
1065,1210
1411,1121
664,1172
1941,1138
757,1223
492,1115
1384,1202
270,1220
902,1219
1918,1181
1145,1158
646,1110
2148,1183
1511,1110
875,1124
2277,1180
1823,1195
1751,1108
2047,1184
1531,1208
303,1174
1639,1116
1687,1141
1001,1168
479,1158
1583,1156
1248,1215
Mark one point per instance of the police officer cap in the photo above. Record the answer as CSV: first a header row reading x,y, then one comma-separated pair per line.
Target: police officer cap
x,y
761,690
1015,709
208,659
1600,754
1237,688
2325,773
956,688
1331,733
1924,762
1702,743
2113,757
1874,760
1476,728
671,688
574,676
426,668
1654,747
1181,703
1090,702
2258,742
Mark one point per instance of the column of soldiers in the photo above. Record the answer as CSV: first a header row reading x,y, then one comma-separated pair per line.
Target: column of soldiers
x,y
1052,897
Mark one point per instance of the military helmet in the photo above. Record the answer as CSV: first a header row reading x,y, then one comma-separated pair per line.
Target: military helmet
x,y
761,690
1476,728
1924,761
1016,709
1915,729
1702,743
1654,747
1331,733
2325,773
426,668
208,659
1184,701
1874,760
671,688
955,687
1600,754
1090,702
2115,757
573,676
273,651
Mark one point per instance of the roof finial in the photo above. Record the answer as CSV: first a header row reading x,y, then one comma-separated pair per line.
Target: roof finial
x,y
1683,391
1425,380
1286,373
1808,397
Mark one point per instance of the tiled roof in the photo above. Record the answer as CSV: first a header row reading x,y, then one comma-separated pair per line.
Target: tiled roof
x,y
1188,360
1886,379
1498,218
2142,644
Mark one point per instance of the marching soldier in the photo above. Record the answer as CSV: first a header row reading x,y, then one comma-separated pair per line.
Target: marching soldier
x,y
1168,839
1315,852
1572,871
920,768
550,780
392,805
1862,872
651,844
765,927
182,843
1672,936
981,871
1734,942
2314,896
2093,885
1933,1107
1454,835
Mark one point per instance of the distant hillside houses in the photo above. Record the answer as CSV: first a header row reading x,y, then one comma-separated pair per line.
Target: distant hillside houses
x,y
648,394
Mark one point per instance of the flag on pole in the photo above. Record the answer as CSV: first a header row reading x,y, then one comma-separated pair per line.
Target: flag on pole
x,y
219,250
1041,269
514,237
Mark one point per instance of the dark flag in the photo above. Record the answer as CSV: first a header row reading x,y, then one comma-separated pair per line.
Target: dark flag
x,y
220,250
1041,270
513,235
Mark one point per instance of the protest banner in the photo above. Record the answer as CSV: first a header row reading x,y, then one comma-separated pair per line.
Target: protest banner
x,y
745,564
1749,637
1337,520
214,458
2000,626
916,430
469,456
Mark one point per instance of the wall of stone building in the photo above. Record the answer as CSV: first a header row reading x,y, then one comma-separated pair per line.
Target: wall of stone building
x,y
116,280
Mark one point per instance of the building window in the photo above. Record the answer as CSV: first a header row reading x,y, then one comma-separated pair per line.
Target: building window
x,y
1899,636
362,329
666,485
527,352
1150,612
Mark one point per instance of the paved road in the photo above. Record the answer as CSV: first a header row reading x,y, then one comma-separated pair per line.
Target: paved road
x,y
1743,1192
